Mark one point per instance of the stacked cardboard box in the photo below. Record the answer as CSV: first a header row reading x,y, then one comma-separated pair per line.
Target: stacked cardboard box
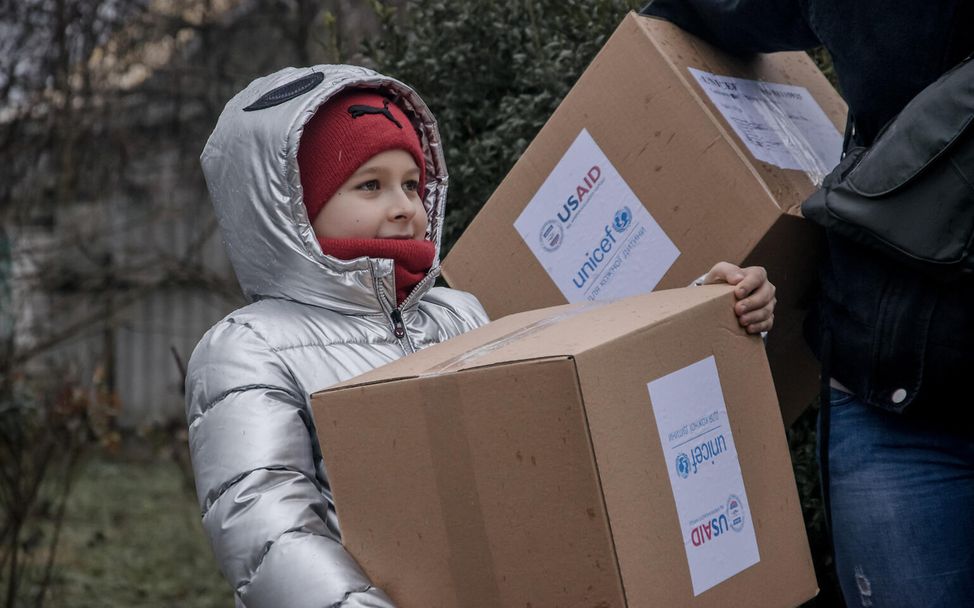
x,y
628,453
666,157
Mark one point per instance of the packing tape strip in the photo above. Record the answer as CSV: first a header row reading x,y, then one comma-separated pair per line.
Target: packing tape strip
x,y
778,120
794,139
459,361
465,526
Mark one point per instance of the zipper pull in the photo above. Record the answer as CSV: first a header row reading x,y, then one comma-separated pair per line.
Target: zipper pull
x,y
398,328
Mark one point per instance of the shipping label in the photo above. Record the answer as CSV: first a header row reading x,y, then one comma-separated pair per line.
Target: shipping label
x,y
705,474
591,234
780,124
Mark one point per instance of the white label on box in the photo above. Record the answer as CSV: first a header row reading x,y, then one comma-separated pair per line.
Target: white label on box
x,y
705,474
780,124
591,234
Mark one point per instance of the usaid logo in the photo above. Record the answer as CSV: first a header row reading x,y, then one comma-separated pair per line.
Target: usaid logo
x,y
735,513
731,519
582,189
552,235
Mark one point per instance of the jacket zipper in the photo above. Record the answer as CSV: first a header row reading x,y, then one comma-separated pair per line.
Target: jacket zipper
x,y
431,276
398,327
395,314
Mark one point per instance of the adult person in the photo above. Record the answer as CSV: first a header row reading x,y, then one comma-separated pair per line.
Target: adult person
x,y
897,345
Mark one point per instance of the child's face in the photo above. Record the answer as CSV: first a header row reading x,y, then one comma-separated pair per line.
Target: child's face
x,y
380,201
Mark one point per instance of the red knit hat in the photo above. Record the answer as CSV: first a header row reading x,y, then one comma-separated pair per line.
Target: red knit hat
x,y
344,133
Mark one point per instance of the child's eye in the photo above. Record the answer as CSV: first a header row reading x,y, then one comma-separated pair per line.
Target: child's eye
x,y
410,185
370,186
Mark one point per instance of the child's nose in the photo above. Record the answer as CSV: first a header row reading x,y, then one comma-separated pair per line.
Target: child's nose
x,y
402,208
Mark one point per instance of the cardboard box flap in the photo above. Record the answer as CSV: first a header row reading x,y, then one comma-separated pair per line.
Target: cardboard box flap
x,y
383,376
496,332
572,330
553,332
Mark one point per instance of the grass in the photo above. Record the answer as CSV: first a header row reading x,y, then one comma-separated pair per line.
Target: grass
x,y
132,537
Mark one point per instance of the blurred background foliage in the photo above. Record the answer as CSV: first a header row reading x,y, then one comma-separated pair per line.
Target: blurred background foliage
x,y
492,72
104,107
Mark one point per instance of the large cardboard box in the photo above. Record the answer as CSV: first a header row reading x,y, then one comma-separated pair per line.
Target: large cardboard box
x,y
624,454
667,156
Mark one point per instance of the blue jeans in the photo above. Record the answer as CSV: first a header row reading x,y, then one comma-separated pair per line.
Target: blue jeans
x,y
902,508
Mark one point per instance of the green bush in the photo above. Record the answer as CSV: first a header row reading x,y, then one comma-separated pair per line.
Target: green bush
x,y
492,72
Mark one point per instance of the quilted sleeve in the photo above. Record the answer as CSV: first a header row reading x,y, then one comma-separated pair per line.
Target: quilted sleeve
x,y
270,520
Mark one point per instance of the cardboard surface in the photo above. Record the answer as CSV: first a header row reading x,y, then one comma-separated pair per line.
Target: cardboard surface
x,y
661,141
521,464
455,499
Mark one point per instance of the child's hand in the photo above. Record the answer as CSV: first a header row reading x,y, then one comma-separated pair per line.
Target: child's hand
x,y
754,293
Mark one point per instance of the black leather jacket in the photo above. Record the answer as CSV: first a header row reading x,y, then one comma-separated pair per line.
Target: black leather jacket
x,y
899,339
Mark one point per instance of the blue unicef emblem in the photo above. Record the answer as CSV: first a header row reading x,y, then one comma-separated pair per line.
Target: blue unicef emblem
x,y
683,465
552,234
735,513
622,219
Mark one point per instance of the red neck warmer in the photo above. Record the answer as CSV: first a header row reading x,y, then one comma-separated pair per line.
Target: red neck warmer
x,y
413,259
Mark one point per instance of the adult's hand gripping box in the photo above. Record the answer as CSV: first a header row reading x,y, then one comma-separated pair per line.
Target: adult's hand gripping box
x,y
667,156
620,454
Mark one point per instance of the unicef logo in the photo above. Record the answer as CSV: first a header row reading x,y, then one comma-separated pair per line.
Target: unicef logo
x,y
622,219
735,513
683,465
552,234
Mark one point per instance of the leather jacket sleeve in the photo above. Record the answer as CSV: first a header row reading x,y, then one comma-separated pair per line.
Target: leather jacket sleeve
x,y
266,508
740,26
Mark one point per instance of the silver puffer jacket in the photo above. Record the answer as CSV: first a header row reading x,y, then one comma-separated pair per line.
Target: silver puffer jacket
x,y
314,321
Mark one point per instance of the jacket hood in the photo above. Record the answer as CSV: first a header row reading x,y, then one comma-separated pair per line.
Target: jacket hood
x,y
250,163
